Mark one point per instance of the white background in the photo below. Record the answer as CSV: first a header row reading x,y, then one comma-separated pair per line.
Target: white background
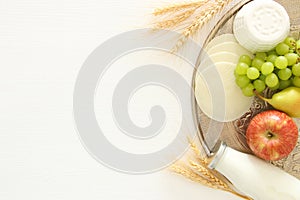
x,y
43,44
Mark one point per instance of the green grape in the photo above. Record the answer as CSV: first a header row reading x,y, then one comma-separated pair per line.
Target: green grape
x,y
296,69
281,62
259,85
257,63
261,55
271,58
276,70
248,90
284,84
267,68
285,74
242,81
298,47
296,81
292,58
245,59
253,73
276,87
282,49
235,74
262,77
271,80
272,52
241,68
291,42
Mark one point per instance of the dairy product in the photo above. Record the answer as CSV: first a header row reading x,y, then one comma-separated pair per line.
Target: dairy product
x,y
260,25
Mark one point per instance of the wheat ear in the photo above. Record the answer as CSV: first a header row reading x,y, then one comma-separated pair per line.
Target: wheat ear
x,y
197,170
201,19
175,20
201,159
190,174
178,7
179,13
203,171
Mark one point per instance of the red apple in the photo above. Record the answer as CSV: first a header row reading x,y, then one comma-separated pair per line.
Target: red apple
x,y
272,135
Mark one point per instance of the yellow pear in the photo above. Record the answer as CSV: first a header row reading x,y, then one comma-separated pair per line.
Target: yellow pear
x,y
287,100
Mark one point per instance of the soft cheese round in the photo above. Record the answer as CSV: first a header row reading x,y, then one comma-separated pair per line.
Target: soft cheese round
x,y
260,25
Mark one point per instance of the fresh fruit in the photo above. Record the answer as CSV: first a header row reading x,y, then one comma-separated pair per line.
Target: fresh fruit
x,y
278,68
287,100
257,63
281,62
248,90
291,42
285,74
296,69
261,55
259,85
267,68
252,73
282,49
241,68
242,81
271,58
245,59
284,84
298,47
271,80
272,135
272,52
292,58
296,81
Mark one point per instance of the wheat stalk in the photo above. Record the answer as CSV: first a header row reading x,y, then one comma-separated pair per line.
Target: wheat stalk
x,y
188,173
178,7
175,20
187,10
200,20
201,159
197,170
208,175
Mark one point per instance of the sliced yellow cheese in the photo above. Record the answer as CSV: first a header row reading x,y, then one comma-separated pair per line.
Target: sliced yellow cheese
x,y
232,47
223,56
217,94
220,39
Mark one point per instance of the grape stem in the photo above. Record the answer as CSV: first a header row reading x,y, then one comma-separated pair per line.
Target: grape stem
x,y
260,96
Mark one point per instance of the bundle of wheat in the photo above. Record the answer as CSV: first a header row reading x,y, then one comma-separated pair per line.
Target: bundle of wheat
x,y
200,11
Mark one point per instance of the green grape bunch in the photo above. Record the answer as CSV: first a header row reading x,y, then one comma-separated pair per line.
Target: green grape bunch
x,y
277,69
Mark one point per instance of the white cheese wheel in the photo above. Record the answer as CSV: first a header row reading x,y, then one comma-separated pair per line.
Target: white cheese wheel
x,y
260,25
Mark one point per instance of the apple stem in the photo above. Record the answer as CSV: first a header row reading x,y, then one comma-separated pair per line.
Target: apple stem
x,y
270,135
